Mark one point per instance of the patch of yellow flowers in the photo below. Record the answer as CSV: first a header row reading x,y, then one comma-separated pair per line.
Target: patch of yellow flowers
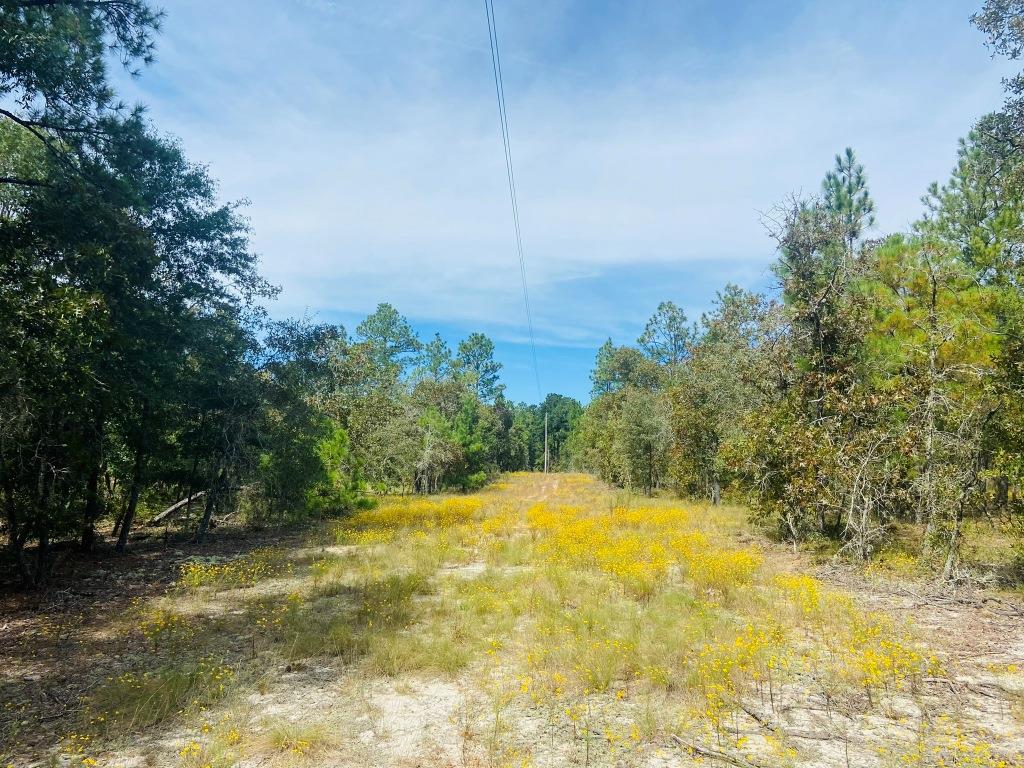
x,y
639,547
725,670
417,513
165,629
244,571
942,743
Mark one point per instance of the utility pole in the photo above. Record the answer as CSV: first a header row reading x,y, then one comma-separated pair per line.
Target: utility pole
x,y
545,443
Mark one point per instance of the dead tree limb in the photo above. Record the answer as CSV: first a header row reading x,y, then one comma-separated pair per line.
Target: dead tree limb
x,y
174,508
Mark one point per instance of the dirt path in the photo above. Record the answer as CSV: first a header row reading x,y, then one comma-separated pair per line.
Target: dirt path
x,y
545,489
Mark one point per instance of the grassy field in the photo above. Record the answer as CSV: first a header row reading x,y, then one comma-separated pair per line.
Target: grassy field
x,y
545,621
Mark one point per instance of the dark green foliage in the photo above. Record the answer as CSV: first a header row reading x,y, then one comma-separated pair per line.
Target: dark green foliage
x,y
476,358
390,338
729,375
120,295
522,444
844,193
1000,22
54,79
620,367
667,338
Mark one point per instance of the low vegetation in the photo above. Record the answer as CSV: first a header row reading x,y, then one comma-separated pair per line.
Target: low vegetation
x,y
544,621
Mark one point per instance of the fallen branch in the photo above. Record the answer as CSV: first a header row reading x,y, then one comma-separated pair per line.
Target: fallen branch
x,y
763,720
175,507
812,735
769,725
982,689
714,754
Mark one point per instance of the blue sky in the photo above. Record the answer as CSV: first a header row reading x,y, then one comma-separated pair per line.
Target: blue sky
x,y
648,136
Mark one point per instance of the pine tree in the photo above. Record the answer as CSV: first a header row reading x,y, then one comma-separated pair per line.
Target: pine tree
x,y
845,193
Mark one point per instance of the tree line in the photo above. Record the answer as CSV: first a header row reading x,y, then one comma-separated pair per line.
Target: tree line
x,y
881,384
139,365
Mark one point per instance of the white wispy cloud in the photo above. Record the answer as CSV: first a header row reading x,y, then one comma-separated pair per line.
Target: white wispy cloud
x,y
645,140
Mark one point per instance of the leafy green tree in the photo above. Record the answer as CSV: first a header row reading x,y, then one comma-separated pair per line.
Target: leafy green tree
x,y
979,208
439,452
340,489
815,273
563,414
391,339
644,438
667,337
476,356
594,445
476,430
1000,22
23,168
978,212
54,79
525,439
624,434
437,361
819,400
934,346
619,367
301,462
144,254
728,375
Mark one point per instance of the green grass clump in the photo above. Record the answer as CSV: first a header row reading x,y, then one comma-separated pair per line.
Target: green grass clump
x,y
141,699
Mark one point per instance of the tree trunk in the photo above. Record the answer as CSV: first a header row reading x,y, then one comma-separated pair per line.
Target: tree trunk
x,y
42,559
212,498
133,500
116,530
23,570
930,500
92,511
1002,494
93,496
191,489
953,555
36,577
10,510
17,532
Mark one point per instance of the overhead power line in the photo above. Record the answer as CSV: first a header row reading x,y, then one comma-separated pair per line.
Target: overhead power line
x,y
499,87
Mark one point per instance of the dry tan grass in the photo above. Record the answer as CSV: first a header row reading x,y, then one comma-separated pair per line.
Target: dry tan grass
x,y
545,621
